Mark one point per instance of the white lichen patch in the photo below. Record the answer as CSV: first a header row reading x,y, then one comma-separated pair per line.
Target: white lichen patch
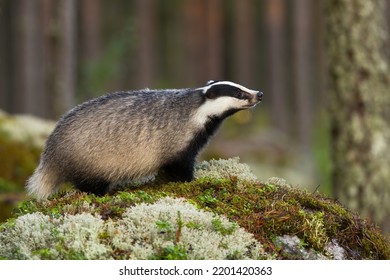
x,y
80,233
293,246
145,231
25,235
225,169
276,181
335,250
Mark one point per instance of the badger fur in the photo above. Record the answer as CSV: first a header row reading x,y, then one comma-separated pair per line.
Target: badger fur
x,y
129,135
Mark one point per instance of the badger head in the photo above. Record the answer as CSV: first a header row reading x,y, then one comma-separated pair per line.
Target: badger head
x,y
223,98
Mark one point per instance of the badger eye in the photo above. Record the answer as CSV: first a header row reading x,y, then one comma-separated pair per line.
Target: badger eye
x,y
240,94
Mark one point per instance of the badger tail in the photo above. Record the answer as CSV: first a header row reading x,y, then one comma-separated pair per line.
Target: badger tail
x,y
42,183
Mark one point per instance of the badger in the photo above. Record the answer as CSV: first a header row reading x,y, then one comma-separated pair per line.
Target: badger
x,y
129,135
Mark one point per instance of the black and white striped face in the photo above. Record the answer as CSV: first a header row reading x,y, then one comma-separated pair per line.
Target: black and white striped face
x,y
223,97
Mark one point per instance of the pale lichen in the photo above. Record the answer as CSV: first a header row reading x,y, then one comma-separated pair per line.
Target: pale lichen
x,y
25,235
293,247
81,232
144,232
276,181
225,169
138,233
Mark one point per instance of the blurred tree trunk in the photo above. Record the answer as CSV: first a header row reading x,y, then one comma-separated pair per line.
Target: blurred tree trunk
x,y
28,81
146,25
60,54
360,100
66,67
194,42
319,54
275,17
5,50
303,71
244,42
90,40
214,41
90,29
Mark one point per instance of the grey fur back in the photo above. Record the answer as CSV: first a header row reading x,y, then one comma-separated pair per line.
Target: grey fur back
x,y
116,137
109,129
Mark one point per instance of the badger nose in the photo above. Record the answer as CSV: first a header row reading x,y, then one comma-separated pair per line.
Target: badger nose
x,y
259,95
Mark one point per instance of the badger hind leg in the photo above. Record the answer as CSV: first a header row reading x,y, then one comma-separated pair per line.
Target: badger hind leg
x,y
96,186
178,171
42,183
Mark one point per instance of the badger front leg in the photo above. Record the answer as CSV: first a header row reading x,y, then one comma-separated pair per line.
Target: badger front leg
x,y
178,171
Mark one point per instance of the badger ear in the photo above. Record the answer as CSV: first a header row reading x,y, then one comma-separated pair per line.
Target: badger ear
x,y
209,91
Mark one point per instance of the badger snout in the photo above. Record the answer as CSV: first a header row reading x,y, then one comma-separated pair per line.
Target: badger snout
x,y
259,96
255,98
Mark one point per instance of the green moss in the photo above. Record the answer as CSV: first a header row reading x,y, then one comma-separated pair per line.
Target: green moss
x,y
73,255
164,226
44,254
26,207
219,227
207,198
193,225
17,162
172,252
7,186
314,230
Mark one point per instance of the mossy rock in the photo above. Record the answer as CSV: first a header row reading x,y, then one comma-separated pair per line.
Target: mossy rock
x,y
17,163
21,141
225,213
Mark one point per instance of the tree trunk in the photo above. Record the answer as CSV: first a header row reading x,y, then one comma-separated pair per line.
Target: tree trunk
x,y
303,72
275,16
59,19
90,29
214,40
28,56
5,60
195,42
90,45
359,86
67,59
244,42
146,11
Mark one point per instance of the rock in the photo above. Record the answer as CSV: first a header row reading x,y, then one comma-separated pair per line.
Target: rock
x,y
222,214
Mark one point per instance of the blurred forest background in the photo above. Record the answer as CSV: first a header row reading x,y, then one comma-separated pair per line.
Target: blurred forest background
x,y
56,54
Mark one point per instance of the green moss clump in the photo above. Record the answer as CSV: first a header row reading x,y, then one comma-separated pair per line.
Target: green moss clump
x,y
17,162
171,252
21,141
